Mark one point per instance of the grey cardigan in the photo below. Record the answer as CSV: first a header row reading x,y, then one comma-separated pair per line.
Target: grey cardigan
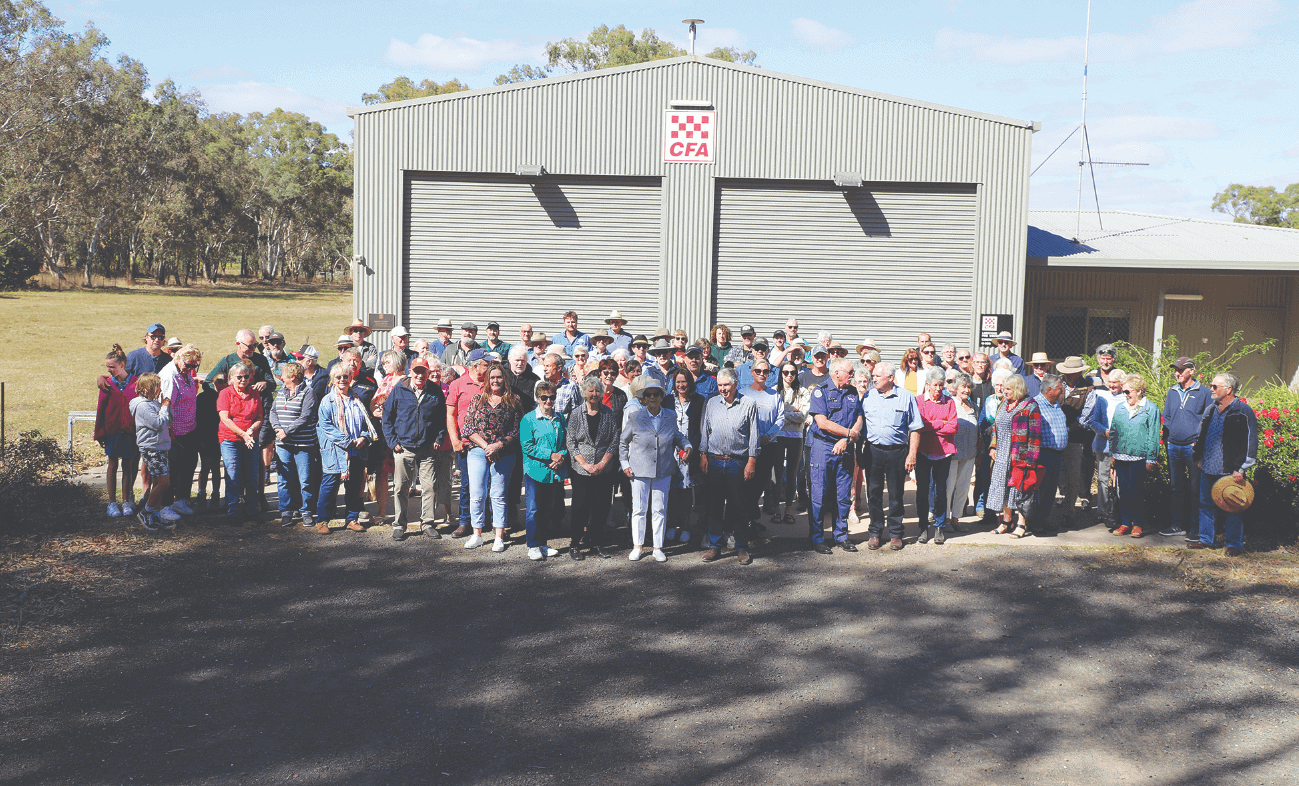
x,y
647,444
592,447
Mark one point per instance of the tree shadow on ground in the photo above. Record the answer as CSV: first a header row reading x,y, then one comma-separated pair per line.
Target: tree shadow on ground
x,y
352,659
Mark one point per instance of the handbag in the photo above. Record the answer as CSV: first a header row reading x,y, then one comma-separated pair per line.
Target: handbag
x,y
1024,476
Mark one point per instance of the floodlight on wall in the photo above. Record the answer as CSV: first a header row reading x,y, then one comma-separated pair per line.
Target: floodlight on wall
x,y
530,170
1173,296
688,103
848,179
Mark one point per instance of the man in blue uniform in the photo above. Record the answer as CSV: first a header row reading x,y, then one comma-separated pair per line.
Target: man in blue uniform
x,y
836,423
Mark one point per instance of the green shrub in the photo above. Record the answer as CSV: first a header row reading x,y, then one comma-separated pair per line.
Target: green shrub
x,y
17,264
35,490
1274,517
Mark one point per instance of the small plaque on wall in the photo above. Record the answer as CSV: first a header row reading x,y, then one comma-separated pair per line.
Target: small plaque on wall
x,y
382,321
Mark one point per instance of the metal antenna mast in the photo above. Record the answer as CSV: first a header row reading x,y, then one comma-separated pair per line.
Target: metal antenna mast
x,y
1082,145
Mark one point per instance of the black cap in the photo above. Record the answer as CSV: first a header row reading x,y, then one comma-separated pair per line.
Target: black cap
x,y
761,342
276,337
747,330
693,350
493,326
778,332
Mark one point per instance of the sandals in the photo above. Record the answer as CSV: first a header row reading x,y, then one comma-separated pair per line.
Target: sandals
x,y
1020,532
1003,529
789,518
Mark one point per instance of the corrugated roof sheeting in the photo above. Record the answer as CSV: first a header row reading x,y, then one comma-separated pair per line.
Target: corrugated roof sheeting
x,y
769,126
1151,241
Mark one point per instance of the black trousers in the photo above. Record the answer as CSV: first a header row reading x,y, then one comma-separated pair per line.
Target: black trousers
x,y
762,481
592,495
184,458
888,463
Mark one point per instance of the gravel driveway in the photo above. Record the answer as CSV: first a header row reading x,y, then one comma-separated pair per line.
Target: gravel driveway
x,y
272,656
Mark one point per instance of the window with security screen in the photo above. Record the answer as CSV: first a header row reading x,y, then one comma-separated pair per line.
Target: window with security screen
x,y
1078,330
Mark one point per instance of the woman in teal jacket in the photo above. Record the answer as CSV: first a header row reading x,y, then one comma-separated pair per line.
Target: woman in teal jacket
x,y
545,466
1133,440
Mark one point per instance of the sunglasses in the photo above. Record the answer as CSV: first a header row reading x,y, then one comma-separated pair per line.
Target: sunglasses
x,y
762,371
545,398
1215,387
1127,392
789,373
962,357
191,365
927,352
157,338
654,393
239,376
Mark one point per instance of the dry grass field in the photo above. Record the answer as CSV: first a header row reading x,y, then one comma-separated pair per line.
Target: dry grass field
x,y
56,340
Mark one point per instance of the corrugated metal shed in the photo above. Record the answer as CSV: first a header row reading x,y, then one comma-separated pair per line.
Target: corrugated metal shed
x,y
1141,240
770,126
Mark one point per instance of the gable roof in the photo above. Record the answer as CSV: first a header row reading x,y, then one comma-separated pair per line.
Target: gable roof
x,y
1143,240
687,60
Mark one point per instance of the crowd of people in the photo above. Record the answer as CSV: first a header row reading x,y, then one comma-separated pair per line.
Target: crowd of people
x,y
743,433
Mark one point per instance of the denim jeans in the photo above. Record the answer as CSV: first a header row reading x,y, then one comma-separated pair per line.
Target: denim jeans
x,y
241,476
1132,492
1106,509
543,506
1051,461
1209,512
931,487
982,478
1184,477
462,463
293,476
352,487
488,480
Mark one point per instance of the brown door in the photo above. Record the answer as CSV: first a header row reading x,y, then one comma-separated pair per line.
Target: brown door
x,y
1258,325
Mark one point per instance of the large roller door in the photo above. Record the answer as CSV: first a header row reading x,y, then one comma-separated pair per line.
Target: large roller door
x,y
498,247
885,260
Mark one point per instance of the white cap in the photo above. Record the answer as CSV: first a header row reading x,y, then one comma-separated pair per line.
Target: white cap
x,y
399,331
310,352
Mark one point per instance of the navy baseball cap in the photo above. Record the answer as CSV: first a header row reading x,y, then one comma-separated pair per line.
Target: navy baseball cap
x,y
476,355
156,327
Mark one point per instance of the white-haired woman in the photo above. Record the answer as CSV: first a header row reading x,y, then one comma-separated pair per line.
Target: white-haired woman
x,y
647,451
592,441
1017,445
967,448
987,430
345,434
1107,400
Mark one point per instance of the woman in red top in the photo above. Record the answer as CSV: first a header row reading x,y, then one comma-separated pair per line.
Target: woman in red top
x,y
240,409
115,430
934,454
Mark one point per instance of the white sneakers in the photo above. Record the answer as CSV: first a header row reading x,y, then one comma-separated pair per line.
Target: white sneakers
x,y
635,554
168,515
498,546
114,510
659,556
475,540
182,507
549,552
534,553
128,508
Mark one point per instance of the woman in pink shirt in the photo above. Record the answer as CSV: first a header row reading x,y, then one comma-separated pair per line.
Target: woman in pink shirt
x,y
934,455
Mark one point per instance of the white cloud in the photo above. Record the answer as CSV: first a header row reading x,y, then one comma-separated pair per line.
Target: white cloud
x,y
1194,26
458,53
244,97
1274,120
1291,153
813,33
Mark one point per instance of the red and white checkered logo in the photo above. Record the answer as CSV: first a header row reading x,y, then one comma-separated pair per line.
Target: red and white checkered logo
x,y
989,321
689,136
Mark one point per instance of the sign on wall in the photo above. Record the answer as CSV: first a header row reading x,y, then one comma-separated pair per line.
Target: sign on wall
x,y
688,136
992,324
382,321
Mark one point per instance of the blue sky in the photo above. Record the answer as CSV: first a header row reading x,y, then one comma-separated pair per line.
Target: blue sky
x,y
1203,91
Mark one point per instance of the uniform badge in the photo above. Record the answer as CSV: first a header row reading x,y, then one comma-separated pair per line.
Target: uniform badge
x,y
817,393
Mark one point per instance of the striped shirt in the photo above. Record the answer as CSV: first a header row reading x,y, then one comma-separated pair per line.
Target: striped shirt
x,y
295,414
181,388
730,429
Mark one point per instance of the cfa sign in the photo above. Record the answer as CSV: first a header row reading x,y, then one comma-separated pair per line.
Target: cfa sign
x,y
688,136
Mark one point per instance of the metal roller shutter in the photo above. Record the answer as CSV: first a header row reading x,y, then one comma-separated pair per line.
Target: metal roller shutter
x,y
498,247
885,261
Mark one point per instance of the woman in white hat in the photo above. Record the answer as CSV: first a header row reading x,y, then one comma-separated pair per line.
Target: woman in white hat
x,y
647,451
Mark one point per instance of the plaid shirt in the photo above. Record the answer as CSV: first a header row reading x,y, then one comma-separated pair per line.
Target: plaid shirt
x,y
1055,431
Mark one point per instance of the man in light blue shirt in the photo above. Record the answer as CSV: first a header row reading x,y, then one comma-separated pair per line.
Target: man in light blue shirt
x,y
621,338
745,370
570,336
771,421
1055,438
892,422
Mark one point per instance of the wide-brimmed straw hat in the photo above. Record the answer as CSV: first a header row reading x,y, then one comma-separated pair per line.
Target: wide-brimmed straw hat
x,y
615,314
866,343
1231,496
1005,336
359,324
1039,357
1073,365
661,346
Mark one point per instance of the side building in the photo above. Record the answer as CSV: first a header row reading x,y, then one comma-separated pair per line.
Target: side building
x,y
1140,277
685,192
